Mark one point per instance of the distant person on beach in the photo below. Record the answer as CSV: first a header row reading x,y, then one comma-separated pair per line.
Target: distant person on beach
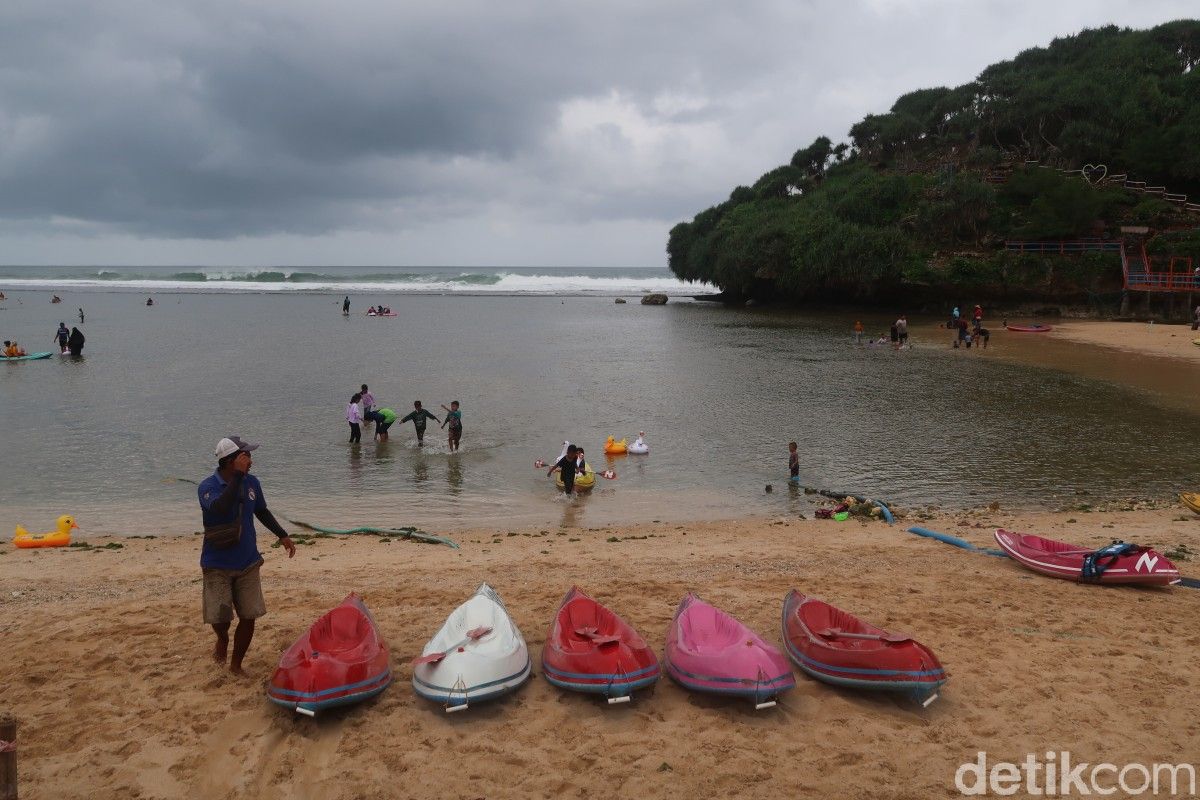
x,y
149,301
894,335
81,316
354,418
230,499
982,334
383,419
13,350
954,315
902,329
858,331
346,305
62,335
454,420
75,342
370,311
418,417
793,462
566,466
977,316
55,299
2,297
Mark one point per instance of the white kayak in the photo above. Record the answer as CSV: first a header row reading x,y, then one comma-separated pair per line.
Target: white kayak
x,y
479,654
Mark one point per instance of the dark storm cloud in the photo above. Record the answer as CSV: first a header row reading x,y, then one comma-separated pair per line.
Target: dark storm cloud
x,y
240,119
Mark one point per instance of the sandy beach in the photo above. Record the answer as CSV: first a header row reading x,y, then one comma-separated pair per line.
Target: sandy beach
x,y
1171,341
106,664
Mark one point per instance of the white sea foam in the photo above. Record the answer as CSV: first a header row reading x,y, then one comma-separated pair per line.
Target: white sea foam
x,y
465,283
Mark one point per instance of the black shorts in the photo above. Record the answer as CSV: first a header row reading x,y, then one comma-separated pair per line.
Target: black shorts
x,y
456,433
382,427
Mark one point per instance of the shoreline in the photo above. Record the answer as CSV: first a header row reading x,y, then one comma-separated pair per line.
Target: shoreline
x,y
109,654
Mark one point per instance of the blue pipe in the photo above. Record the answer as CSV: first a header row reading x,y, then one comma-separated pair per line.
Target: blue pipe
x,y
943,537
887,514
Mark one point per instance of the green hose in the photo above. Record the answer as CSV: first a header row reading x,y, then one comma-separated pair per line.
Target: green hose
x,y
406,532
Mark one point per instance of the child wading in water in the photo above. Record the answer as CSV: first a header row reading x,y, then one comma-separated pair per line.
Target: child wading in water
x,y
354,418
566,465
793,462
454,420
418,417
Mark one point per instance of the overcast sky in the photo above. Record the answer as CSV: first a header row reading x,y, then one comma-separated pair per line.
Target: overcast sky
x,y
376,132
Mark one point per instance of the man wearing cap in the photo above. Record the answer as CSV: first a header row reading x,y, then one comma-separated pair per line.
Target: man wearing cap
x,y
231,574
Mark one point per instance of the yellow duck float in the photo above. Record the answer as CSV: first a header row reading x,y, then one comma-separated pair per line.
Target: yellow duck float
x,y
611,446
58,538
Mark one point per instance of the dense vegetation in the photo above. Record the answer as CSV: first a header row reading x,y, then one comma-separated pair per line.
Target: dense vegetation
x,y
923,197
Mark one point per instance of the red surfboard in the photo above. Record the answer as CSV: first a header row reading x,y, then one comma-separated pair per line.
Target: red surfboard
x,y
1120,562
591,649
1035,328
341,659
838,648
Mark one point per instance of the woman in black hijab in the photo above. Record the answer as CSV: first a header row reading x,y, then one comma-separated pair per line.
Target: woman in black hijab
x,y
75,342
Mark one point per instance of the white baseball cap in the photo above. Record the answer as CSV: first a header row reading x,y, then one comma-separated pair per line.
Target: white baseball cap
x,y
233,444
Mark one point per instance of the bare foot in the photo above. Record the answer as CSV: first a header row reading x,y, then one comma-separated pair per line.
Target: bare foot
x,y
220,649
241,673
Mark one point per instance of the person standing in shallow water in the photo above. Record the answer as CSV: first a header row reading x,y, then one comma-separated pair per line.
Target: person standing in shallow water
x,y
232,496
454,420
346,305
418,417
354,418
75,342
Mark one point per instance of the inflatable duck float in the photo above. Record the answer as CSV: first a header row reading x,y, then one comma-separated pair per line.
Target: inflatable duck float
x,y
58,538
639,445
612,447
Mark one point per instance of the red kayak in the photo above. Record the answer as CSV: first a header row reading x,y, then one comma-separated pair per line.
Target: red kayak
x,y
1035,328
591,649
1119,562
836,647
342,659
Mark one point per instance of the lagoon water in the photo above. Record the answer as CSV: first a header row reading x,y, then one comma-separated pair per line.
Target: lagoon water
x,y
719,392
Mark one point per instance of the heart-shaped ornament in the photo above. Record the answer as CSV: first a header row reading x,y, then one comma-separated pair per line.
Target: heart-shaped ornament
x,y
1094,173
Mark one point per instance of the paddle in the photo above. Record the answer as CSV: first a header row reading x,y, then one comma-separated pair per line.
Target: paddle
x,y
838,633
473,635
609,474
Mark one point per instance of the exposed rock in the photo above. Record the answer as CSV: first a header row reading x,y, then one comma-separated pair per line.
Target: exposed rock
x,y
620,300
654,300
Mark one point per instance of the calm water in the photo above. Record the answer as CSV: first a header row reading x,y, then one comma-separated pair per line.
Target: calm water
x,y
719,393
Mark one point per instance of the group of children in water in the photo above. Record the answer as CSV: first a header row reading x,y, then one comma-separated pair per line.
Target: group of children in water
x,y
361,410
968,334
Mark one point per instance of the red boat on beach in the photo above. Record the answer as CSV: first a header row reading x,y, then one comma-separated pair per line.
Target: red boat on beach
x,y
591,649
838,648
1119,562
341,659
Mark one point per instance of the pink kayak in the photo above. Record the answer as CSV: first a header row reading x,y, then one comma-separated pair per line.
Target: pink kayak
x,y
710,651
1119,562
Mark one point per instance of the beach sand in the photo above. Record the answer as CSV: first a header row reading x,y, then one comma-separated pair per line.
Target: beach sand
x,y
1172,341
105,662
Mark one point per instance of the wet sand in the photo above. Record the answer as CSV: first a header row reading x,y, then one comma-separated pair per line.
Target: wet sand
x,y
106,664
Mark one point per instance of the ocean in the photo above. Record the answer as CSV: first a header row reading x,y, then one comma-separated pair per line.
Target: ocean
x,y
536,357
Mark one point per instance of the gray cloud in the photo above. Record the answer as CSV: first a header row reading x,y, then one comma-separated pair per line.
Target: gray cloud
x,y
149,126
